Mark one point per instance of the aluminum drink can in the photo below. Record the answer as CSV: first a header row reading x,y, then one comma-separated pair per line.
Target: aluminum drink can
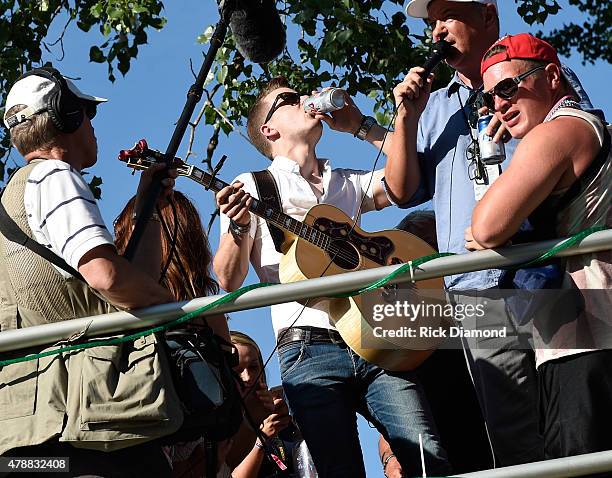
x,y
326,101
490,151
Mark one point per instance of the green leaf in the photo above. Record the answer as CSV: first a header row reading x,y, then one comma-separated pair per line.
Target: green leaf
x,y
344,36
94,186
222,74
83,26
382,118
227,129
96,10
206,36
114,14
124,65
210,115
96,55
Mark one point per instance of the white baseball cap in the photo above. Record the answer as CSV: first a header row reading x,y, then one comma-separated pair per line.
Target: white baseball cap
x,y
34,92
418,8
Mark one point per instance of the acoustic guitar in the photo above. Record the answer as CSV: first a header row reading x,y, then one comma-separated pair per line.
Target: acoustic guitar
x,y
326,242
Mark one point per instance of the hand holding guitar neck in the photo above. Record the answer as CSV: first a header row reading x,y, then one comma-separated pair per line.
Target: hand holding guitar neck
x,y
141,152
141,149
234,202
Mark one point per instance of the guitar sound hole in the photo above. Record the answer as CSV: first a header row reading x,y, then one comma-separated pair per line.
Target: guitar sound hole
x,y
344,255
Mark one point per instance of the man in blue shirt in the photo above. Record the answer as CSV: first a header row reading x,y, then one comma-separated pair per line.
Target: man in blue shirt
x,y
432,141
430,154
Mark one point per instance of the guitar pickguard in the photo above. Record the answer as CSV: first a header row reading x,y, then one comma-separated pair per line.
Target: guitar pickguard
x,y
376,248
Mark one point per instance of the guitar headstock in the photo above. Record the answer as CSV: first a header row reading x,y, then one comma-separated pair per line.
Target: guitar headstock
x,y
139,164
140,157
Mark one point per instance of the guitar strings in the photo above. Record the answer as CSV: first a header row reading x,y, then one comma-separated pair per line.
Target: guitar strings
x,y
329,246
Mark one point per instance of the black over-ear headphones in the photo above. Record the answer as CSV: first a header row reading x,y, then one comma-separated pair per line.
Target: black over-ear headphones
x,y
64,107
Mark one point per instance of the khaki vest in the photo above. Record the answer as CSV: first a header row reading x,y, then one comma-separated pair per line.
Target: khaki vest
x,y
106,397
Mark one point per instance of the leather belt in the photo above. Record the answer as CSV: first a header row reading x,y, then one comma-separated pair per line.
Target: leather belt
x,y
309,334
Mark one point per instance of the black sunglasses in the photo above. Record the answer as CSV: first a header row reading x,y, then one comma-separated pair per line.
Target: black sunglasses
x,y
506,88
282,99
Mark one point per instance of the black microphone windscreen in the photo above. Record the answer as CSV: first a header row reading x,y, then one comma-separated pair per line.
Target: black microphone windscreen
x,y
439,51
258,31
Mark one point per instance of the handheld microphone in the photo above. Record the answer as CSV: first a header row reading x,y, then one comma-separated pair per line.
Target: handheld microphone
x,y
439,51
257,28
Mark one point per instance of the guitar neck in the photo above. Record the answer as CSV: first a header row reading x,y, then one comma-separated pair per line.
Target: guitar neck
x,y
259,208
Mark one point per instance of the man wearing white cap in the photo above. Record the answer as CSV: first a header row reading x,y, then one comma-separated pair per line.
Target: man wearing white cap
x,y
101,399
433,141
418,8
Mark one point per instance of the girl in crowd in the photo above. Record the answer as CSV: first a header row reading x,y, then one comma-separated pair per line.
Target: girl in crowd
x,y
186,259
247,457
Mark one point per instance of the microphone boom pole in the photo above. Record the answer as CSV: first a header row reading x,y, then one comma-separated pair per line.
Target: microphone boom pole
x,y
193,98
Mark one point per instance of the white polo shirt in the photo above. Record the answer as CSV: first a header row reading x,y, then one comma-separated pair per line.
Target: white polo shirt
x,y
62,212
342,188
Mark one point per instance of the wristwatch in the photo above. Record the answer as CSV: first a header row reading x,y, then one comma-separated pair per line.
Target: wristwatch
x,y
239,230
364,128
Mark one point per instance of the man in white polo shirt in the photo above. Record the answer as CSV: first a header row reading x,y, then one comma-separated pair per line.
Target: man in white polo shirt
x,y
97,398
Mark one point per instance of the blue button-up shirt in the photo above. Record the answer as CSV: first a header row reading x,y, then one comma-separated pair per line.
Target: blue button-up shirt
x,y
442,142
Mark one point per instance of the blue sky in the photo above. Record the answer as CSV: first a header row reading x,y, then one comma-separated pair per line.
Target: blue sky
x,y
148,101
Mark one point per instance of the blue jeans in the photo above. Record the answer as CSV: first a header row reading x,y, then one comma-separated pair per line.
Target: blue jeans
x,y
326,384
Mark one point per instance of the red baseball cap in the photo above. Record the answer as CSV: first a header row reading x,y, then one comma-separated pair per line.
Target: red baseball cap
x,y
522,46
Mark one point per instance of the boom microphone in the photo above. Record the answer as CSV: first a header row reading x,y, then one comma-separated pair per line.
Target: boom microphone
x,y
439,51
257,29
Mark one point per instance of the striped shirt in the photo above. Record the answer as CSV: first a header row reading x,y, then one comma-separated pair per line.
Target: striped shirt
x,y
62,212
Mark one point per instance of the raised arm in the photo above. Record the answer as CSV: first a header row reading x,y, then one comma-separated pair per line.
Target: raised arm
x,y
349,119
402,171
148,254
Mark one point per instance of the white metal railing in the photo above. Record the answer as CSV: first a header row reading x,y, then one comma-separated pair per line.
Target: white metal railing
x,y
566,467
276,294
327,286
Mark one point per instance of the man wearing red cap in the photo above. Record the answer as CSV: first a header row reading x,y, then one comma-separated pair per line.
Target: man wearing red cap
x,y
433,150
560,178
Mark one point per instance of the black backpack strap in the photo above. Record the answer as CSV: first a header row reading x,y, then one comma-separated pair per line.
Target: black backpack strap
x,y
268,193
10,230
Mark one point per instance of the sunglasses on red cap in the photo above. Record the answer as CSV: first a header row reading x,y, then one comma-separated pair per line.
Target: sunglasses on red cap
x,y
507,88
282,99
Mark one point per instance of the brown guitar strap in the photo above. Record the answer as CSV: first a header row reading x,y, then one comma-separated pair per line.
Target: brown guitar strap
x,y
268,193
